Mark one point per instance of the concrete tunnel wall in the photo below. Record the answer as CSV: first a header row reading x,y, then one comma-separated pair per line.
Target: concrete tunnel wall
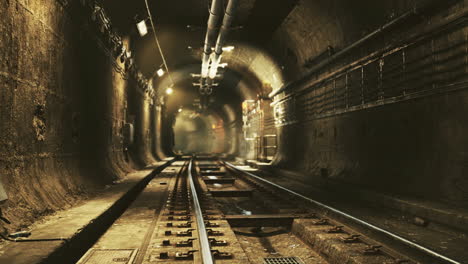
x,y
415,147
139,107
62,107
63,103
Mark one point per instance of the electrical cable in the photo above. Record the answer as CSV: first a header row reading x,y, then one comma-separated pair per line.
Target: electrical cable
x,y
157,43
33,240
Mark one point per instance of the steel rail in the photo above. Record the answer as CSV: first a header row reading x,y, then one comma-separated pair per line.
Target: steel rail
x,y
355,219
205,248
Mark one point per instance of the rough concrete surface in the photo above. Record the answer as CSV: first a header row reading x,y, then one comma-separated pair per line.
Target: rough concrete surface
x,y
66,224
61,111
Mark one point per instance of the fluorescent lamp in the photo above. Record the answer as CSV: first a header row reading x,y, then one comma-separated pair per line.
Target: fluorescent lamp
x,y
142,29
228,48
160,72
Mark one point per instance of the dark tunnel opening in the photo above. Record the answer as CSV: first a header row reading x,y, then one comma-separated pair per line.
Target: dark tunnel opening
x,y
195,133
235,131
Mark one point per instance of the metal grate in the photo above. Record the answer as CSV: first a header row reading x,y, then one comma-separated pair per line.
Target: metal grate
x,y
108,256
288,260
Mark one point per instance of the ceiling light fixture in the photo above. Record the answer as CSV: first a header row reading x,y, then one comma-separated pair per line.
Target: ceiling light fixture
x,y
160,72
228,48
142,28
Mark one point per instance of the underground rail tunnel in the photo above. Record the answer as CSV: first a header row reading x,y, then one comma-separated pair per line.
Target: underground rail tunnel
x,y
233,131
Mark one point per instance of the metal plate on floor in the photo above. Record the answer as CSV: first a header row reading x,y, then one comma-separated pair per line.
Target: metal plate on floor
x,y
287,260
108,256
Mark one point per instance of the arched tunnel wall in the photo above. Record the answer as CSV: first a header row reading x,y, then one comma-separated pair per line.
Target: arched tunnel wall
x,y
408,139
140,111
65,100
62,108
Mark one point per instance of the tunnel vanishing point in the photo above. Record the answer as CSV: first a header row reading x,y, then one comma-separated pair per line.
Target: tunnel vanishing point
x,y
233,131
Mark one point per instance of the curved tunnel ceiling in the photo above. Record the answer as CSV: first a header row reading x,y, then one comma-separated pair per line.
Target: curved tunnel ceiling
x,y
181,29
272,39
385,119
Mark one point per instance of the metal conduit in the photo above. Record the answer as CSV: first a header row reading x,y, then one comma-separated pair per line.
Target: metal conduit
x,y
222,36
215,13
416,10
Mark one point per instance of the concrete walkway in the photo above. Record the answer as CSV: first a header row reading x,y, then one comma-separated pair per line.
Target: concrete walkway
x,y
76,225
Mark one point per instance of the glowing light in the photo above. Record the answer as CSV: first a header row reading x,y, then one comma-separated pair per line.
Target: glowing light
x,y
213,69
228,48
142,29
160,72
169,91
223,65
205,70
244,212
213,126
213,72
180,110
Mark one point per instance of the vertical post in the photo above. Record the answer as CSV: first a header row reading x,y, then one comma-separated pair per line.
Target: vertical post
x,y
362,85
380,84
346,91
334,94
403,55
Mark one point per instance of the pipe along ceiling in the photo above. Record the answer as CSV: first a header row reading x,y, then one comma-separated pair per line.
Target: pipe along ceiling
x,y
231,69
211,74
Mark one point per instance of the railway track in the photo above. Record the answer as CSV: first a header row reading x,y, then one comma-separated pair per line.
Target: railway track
x,y
216,212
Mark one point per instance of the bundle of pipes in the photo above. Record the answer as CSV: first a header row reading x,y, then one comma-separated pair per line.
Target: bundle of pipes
x,y
212,51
